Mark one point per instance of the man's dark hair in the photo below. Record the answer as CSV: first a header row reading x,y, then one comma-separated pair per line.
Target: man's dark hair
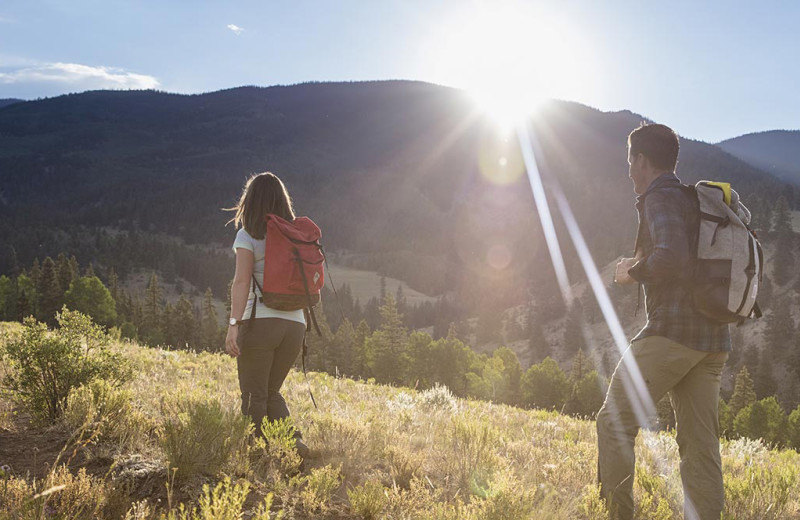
x,y
659,143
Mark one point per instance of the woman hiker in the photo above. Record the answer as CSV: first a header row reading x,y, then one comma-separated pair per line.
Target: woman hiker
x,y
264,341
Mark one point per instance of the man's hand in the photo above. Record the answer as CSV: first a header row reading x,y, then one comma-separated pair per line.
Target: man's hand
x,y
231,347
621,275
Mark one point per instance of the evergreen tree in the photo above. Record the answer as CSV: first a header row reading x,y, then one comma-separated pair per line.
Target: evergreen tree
x,y
359,352
342,348
8,299
65,274
26,292
209,328
152,309
387,346
89,296
168,326
383,289
743,392
113,285
50,293
184,324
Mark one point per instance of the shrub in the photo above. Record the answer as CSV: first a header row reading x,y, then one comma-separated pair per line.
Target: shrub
x,y
472,460
60,495
438,398
47,365
224,502
202,438
276,452
367,500
107,414
319,488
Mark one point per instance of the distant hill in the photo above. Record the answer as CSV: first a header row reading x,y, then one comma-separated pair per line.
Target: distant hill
x,y
406,178
9,101
776,152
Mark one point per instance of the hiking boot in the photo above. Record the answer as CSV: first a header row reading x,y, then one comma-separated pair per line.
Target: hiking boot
x,y
301,447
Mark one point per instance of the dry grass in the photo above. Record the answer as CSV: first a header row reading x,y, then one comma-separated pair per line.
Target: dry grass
x,y
393,453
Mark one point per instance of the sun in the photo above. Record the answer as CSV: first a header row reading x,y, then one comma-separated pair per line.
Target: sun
x,y
510,57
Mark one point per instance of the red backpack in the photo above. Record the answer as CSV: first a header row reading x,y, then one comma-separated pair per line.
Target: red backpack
x,y
293,264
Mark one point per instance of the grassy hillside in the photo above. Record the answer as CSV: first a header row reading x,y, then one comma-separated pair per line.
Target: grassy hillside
x,y
376,452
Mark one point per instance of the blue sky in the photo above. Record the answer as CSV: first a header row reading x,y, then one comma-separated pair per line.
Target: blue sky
x,y
712,70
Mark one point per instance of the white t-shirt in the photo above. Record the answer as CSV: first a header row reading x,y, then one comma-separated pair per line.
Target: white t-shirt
x,y
245,241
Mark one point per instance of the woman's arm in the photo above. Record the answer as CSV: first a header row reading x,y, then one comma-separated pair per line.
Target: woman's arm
x,y
239,291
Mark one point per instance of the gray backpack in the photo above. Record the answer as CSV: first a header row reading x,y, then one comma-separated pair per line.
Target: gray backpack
x,y
730,261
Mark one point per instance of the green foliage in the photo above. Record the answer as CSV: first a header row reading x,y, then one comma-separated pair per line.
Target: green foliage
x,y
60,494
47,365
764,419
386,347
367,500
275,451
319,487
89,296
106,413
224,502
793,433
471,446
743,392
199,437
50,293
545,385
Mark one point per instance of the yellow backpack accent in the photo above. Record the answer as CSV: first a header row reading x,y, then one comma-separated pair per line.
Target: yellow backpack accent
x,y
726,190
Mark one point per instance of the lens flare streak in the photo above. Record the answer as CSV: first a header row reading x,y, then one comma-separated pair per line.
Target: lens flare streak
x,y
637,392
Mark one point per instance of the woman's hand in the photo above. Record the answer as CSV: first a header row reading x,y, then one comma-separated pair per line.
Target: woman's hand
x,y
231,347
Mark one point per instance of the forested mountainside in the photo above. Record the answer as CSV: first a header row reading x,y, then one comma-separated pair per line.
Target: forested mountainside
x,y
402,176
776,152
8,101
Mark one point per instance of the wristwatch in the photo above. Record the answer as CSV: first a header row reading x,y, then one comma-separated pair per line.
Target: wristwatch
x,y
233,321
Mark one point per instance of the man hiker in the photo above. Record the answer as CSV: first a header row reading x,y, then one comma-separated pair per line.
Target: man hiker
x,y
678,351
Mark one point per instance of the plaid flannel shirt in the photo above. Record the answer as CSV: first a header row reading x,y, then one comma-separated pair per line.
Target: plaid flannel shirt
x,y
664,238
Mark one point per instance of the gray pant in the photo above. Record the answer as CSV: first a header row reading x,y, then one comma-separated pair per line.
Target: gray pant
x,y
268,349
692,379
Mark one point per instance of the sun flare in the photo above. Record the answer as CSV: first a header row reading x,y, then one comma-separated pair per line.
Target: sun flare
x,y
511,57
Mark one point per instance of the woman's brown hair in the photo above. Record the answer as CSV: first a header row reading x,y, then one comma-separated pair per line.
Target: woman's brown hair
x,y
263,193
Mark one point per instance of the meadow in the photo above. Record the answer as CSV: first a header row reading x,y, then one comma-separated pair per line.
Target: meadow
x,y
170,443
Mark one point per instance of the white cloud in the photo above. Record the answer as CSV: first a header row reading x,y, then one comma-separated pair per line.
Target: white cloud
x,y
235,28
84,77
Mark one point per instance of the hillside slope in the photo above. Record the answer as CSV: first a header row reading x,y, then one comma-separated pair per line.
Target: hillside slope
x,y
776,152
408,177
384,452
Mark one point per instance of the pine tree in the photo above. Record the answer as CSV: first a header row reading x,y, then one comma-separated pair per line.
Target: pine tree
x,y
209,328
152,308
387,345
359,353
184,324
89,270
743,392
113,285
50,293
89,296
65,274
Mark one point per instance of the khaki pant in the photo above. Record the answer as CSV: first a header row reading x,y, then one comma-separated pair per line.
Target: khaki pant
x,y
692,379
